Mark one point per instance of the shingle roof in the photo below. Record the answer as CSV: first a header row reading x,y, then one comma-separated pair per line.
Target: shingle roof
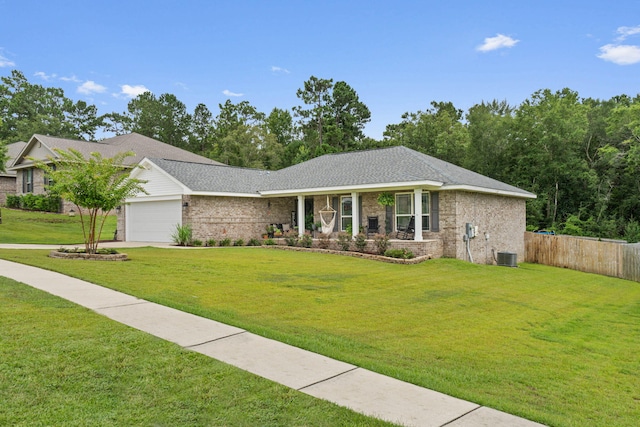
x,y
148,147
387,167
393,165
141,145
219,178
12,152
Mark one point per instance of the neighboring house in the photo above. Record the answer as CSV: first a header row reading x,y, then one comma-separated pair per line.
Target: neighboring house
x,y
8,177
28,179
220,201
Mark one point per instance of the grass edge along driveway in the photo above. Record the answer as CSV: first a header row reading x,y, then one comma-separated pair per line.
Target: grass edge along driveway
x,y
556,346
62,364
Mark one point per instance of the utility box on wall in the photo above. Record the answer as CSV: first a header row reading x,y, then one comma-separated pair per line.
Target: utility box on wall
x,y
507,259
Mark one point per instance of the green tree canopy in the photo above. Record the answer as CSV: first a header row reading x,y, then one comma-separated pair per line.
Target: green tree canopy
x,y
95,185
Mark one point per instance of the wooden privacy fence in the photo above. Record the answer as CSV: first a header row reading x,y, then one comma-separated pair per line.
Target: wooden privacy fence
x,y
609,258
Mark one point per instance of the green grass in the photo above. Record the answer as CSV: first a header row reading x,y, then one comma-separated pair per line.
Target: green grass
x,y
556,346
63,365
46,228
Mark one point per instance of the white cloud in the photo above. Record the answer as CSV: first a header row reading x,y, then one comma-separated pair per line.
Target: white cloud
x,y
73,78
275,69
498,42
4,62
620,54
133,91
89,87
229,93
44,76
626,32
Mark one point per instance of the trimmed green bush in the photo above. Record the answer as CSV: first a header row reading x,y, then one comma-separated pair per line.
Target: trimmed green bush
x,y
254,242
344,241
225,242
306,241
382,243
360,242
402,253
34,202
291,238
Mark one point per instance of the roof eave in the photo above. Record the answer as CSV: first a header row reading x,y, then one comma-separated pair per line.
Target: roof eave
x,y
385,186
474,189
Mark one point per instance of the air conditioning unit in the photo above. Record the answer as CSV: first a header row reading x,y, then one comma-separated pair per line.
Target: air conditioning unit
x,y
507,259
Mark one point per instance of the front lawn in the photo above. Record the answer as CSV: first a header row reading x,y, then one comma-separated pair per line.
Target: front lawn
x,y
556,346
63,365
46,228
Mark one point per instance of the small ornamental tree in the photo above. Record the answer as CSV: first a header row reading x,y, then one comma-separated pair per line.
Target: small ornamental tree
x,y
95,185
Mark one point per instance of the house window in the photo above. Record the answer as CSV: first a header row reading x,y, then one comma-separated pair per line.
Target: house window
x,y
27,180
346,209
405,210
48,181
425,211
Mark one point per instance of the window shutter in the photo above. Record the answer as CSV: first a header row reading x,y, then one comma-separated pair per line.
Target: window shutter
x,y
359,211
435,211
335,204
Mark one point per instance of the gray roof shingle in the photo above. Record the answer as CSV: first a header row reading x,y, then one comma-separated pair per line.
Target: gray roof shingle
x,y
393,165
218,178
141,145
387,167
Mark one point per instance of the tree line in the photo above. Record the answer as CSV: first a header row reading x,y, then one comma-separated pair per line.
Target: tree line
x,y
581,156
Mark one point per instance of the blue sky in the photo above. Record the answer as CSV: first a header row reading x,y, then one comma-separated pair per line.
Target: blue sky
x,y
398,55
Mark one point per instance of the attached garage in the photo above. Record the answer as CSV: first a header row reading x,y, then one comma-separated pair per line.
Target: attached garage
x,y
152,221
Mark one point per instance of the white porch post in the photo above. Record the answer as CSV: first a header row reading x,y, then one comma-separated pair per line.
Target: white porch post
x,y
355,215
417,203
300,215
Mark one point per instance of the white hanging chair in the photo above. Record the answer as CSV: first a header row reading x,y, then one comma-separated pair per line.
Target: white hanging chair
x,y
327,218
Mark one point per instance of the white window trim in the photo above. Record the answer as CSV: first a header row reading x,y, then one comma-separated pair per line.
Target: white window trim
x,y
426,217
342,215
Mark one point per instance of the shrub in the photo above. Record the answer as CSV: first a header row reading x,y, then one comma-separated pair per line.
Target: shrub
x,y
291,238
269,242
182,235
239,242
402,253
254,242
34,202
225,242
382,242
13,201
360,242
106,251
344,241
306,241
323,241
196,242
211,242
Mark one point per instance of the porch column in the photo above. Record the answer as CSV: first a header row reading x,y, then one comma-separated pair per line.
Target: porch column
x,y
300,215
417,203
355,215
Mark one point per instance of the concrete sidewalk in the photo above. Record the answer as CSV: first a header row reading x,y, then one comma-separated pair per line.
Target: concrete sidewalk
x,y
344,384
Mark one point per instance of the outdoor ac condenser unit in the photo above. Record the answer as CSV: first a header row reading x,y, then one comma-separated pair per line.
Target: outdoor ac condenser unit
x,y
507,259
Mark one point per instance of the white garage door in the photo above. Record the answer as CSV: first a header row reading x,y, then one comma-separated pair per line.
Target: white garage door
x,y
153,221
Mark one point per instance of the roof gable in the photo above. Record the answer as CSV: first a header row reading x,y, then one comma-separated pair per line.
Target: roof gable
x,y
41,147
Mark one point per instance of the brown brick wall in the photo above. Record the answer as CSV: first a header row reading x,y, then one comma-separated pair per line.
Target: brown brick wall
x,y
235,217
501,223
7,186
